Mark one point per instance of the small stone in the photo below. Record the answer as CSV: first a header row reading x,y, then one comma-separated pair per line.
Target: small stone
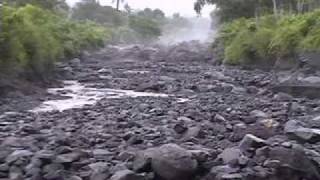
x,y
45,154
272,163
251,142
218,171
75,178
286,144
99,166
230,155
99,176
101,152
243,160
180,128
29,129
200,155
219,118
235,176
126,175
135,139
17,155
4,168
15,173
193,132
67,158
126,155
258,114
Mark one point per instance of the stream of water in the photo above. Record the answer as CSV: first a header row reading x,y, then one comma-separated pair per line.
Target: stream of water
x,y
77,95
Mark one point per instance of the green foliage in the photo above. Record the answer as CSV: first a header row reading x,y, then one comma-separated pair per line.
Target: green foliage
x,y
249,40
228,10
93,11
146,28
32,39
46,4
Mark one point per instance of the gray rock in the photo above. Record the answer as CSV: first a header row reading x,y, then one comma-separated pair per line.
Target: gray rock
x,y
99,176
258,114
311,80
295,131
68,158
99,166
4,168
169,161
193,132
239,131
17,155
251,142
52,168
201,155
219,118
45,154
230,155
272,163
218,171
180,128
167,79
235,176
295,159
101,153
142,161
75,178
126,175
75,62
283,96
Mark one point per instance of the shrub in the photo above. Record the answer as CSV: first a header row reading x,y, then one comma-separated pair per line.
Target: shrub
x,y
146,28
32,39
250,40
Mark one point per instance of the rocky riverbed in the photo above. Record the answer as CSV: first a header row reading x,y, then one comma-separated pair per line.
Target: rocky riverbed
x,y
164,113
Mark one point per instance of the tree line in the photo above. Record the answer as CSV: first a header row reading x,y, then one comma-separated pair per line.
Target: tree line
x,y
265,31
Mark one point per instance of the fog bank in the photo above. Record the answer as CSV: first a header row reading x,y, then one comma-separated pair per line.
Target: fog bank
x,y
198,29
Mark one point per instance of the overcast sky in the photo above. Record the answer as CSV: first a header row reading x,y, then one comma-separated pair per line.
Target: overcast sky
x,y
184,7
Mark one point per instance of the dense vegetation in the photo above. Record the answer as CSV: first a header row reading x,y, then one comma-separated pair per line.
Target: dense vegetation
x,y
128,26
33,38
36,33
284,30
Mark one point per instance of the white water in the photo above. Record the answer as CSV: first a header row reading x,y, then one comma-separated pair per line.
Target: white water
x,y
78,95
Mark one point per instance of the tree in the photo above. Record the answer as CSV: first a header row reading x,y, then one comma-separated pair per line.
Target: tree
x,y
228,10
146,28
92,10
128,8
47,4
118,4
155,14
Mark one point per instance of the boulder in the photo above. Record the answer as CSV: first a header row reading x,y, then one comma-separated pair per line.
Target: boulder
x,y
297,132
169,162
296,160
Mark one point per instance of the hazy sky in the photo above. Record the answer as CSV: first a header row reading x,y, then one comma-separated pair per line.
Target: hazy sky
x,y
184,7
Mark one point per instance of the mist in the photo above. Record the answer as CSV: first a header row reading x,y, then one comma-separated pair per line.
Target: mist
x,y
199,29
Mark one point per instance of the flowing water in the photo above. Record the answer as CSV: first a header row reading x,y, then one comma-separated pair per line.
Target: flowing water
x,y
77,95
